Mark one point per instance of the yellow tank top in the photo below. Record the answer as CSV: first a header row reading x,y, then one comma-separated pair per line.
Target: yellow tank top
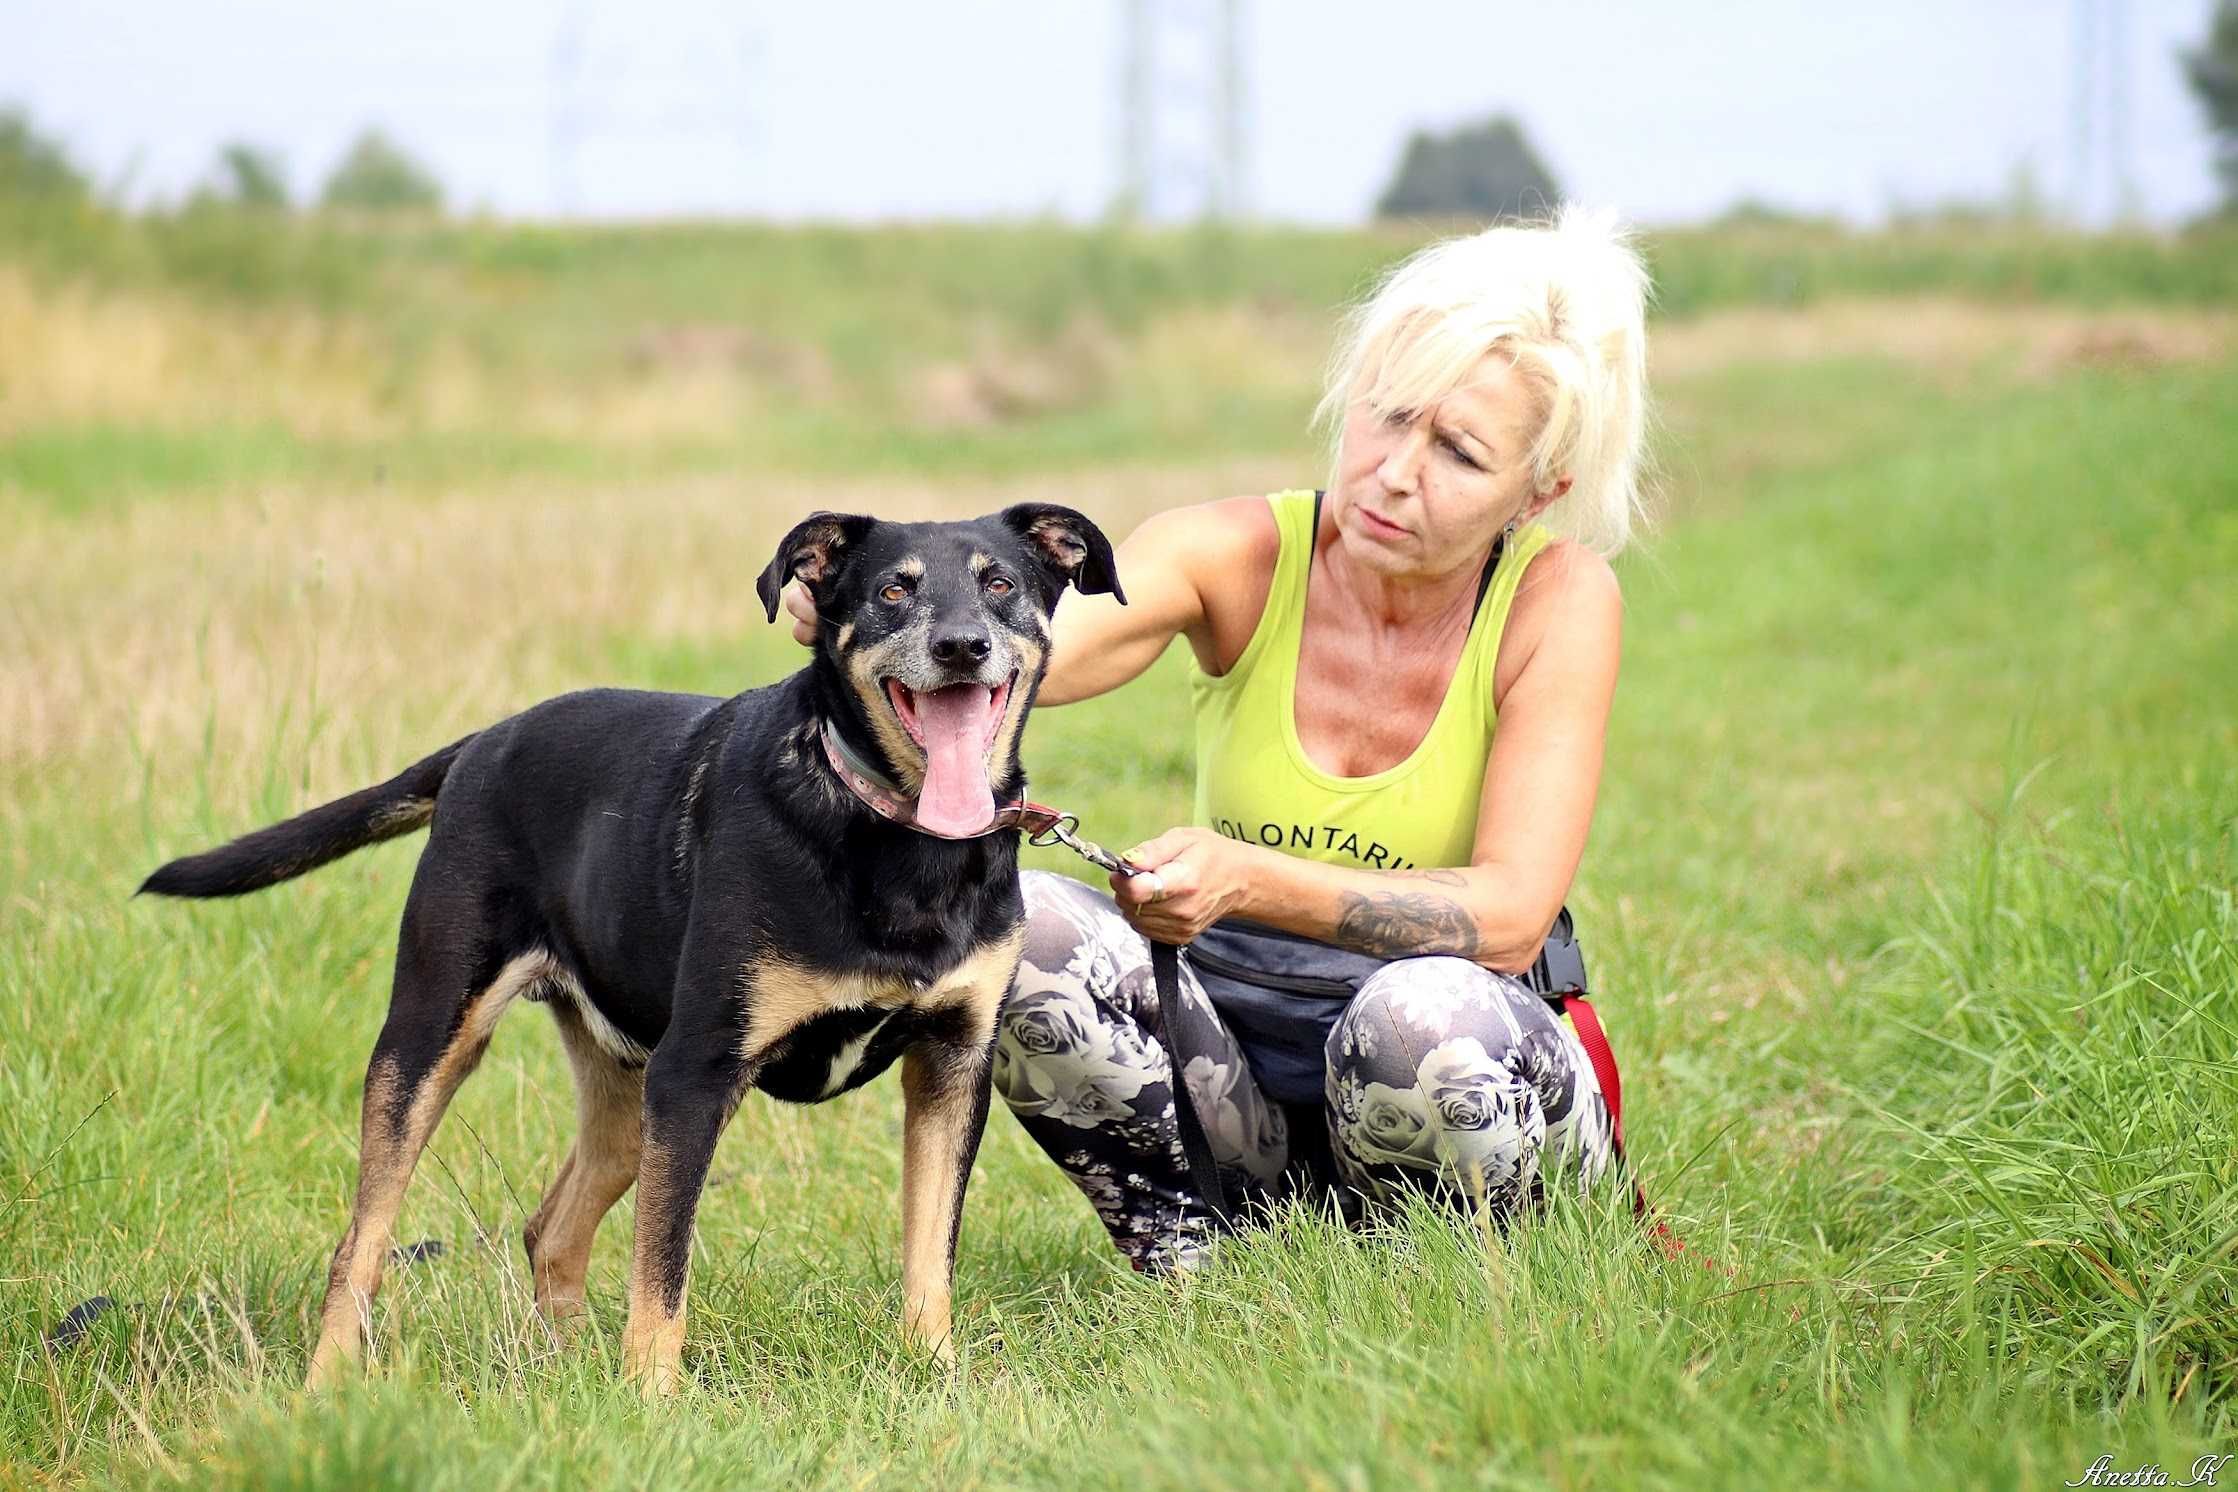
x,y
1256,783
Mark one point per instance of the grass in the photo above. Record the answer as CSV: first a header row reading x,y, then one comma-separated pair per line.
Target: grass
x,y
206,349
1910,903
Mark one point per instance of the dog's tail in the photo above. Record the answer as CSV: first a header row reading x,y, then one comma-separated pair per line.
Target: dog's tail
x,y
309,840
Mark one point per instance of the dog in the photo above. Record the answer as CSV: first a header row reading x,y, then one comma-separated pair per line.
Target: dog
x,y
785,890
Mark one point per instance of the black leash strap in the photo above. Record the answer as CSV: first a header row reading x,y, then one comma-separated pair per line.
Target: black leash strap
x,y
1204,1171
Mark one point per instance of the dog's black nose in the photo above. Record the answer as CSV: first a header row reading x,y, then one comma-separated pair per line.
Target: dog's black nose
x,y
962,645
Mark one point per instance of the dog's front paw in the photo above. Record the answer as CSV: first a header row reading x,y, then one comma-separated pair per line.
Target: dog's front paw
x,y
653,1358
333,1364
925,1328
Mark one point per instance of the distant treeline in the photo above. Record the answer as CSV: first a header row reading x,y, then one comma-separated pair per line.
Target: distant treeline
x,y
840,285
376,175
1037,274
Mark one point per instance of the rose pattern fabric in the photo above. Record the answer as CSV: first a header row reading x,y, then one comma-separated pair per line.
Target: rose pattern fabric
x,y
1058,1061
1239,1124
1499,1085
1440,993
1443,1077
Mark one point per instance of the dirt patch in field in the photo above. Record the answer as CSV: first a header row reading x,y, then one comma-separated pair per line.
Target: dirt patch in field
x,y
1002,382
147,630
2036,341
696,349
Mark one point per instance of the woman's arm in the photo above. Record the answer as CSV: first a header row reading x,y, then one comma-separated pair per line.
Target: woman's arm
x,y
1096,644
1539,788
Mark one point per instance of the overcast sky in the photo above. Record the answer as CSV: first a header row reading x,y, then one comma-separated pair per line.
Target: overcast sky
x,y
1667,111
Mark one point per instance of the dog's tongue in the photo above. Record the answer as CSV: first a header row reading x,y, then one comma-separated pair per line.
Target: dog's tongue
x,y
957,722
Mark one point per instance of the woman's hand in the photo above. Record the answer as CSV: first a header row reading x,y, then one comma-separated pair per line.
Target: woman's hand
x,y
1192,878
803,609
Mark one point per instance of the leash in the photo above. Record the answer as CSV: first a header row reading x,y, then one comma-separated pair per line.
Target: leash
x,y
78,1321
1204,1171
1596,1044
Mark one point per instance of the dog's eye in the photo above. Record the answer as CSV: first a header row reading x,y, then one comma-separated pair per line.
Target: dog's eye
x,y
999,585
894,591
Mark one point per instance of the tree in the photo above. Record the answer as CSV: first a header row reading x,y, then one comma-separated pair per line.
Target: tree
x,y
1486,170
32,167
377,176
2213,69
250,177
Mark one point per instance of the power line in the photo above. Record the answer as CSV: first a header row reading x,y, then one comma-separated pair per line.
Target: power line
x,y
2101,181
1182,107
1228,112
2119,174
566,104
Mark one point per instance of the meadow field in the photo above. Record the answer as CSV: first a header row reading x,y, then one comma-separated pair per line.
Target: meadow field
x,y
1912,901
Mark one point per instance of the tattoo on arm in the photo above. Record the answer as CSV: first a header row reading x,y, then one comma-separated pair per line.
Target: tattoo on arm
x,y
1398,924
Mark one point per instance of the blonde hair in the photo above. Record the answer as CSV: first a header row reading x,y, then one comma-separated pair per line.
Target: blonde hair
x,y
1565,302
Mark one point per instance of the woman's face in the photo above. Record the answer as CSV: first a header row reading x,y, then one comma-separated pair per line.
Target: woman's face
x,y
1422,492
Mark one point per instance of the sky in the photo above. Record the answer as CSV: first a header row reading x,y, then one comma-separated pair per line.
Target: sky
x,y
1668,112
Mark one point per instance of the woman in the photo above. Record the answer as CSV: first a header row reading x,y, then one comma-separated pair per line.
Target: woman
x,y
1400,688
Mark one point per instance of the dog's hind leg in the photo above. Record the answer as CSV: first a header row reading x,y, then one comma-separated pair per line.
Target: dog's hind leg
x,y
438,1026
609,1104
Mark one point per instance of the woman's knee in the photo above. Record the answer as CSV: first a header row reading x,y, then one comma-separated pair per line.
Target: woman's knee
x,y
1411,1005
1063,1054
1445,1074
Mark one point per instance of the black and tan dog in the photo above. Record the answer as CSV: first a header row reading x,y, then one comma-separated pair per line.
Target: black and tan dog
x,y
784,890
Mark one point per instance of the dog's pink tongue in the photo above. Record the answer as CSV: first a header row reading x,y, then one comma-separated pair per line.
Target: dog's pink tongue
x,y
957,722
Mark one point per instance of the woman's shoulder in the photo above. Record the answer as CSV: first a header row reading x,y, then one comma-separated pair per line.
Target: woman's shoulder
x,y
1225,537
1227,551
1563,573
1567,593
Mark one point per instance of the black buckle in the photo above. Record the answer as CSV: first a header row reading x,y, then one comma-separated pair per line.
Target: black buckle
x,y
1560,969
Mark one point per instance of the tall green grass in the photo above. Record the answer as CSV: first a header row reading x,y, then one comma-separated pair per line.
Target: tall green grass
x,y
1910,905
2011,1253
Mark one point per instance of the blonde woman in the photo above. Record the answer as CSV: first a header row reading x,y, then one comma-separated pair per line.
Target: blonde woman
x,y
1400,690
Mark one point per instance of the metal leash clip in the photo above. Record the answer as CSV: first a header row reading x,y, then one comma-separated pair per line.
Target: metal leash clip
x,y
1095,854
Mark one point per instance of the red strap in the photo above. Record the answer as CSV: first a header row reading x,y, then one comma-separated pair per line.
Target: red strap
x,y
1596,1044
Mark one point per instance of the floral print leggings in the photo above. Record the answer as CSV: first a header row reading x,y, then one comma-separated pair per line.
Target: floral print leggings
x,y
1443,1078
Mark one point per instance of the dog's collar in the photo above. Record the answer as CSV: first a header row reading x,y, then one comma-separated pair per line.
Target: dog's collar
x,y
884,797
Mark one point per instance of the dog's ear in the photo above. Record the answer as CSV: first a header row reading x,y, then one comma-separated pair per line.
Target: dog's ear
x,y
814,551
1068,546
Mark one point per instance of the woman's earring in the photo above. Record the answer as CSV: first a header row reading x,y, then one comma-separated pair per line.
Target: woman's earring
x,y
1509,531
